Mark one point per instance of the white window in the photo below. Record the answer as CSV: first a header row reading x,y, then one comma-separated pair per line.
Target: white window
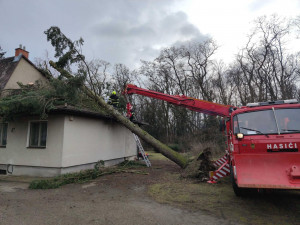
x,y
3,134
38,134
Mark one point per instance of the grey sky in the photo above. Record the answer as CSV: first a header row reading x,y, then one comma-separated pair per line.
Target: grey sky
x,y
116,31
125,31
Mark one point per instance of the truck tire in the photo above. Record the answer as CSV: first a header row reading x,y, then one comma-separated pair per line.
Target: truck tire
x,y
237,190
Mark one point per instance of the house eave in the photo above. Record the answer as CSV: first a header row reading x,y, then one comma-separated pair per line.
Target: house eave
x,y
80,112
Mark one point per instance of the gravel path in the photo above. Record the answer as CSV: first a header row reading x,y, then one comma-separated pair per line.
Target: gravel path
x,y
115,199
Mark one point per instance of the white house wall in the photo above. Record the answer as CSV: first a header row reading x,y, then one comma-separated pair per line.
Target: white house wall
x,y
88,140
73,143
17,153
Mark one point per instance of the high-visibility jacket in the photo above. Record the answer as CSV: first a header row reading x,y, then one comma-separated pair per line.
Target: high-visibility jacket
x,y
113,100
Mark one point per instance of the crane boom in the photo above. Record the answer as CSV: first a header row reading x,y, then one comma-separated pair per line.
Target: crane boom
x,y
193,104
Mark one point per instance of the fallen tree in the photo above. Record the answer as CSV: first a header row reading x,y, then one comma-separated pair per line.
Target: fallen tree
x,y
160,147
68,54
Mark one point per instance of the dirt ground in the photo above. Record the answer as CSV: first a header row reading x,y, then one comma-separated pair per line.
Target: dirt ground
x,y
161,197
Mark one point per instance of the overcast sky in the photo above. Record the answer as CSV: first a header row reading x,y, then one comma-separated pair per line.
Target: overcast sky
x,y
126,31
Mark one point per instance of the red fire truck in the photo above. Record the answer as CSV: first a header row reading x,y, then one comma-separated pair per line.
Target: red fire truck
x,y
263,140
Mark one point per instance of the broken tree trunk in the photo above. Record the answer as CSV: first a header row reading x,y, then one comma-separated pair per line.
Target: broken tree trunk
x,y
160,147
200,167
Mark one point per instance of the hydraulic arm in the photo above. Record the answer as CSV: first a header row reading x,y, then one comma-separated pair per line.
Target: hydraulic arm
x,y
184,101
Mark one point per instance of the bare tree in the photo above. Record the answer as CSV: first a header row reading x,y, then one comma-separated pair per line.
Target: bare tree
x,y
199,66
263,70
98,75
223,87
185,70
122,76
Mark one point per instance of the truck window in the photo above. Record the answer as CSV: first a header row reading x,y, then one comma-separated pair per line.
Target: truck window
x,y
263,122
257,122
288,120
235,125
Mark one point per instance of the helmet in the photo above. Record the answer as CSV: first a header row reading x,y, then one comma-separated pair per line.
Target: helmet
x,y
114,93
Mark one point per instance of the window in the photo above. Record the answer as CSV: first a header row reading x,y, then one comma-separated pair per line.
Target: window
x,y
268,122
256,122
3,134
288,120
38,134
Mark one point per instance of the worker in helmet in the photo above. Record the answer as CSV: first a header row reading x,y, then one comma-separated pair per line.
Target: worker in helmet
x,y
114,99
132,117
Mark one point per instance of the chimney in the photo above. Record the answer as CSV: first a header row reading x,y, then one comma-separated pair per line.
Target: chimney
x,y
21,50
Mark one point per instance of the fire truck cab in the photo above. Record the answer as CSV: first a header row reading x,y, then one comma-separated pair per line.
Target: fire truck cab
x,y
263,143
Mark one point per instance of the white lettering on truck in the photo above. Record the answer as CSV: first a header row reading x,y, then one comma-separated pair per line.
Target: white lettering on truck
x,y
282,146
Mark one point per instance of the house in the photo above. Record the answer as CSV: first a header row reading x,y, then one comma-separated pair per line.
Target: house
x,y
18,69
69,140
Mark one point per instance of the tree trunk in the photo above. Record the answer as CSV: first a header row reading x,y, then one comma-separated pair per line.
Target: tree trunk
x,y
162,148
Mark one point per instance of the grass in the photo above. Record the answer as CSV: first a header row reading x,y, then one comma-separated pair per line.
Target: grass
x,y
156,156
86,175
280,207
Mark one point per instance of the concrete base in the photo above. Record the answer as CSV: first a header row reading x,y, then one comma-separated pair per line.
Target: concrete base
x,y
20,170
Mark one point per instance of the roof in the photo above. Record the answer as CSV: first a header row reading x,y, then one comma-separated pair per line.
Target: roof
x,y
7,67
71,110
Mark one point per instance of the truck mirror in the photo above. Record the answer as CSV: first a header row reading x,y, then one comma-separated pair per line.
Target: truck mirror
x,y
240,136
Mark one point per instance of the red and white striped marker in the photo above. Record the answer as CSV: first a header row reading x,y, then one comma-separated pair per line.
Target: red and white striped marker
x,y
220,161
223,171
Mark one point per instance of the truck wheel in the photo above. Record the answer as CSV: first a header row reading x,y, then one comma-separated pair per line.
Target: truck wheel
x,y
237,190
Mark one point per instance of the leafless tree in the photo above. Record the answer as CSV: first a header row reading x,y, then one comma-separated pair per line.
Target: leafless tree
x,y
98,78
264,70
223,87
199,66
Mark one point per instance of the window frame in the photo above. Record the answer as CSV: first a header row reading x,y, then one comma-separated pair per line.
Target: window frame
x,y
1,134
29,145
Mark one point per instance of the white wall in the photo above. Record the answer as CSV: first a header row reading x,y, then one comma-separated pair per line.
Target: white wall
x,y
73,143
88,140
17,153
